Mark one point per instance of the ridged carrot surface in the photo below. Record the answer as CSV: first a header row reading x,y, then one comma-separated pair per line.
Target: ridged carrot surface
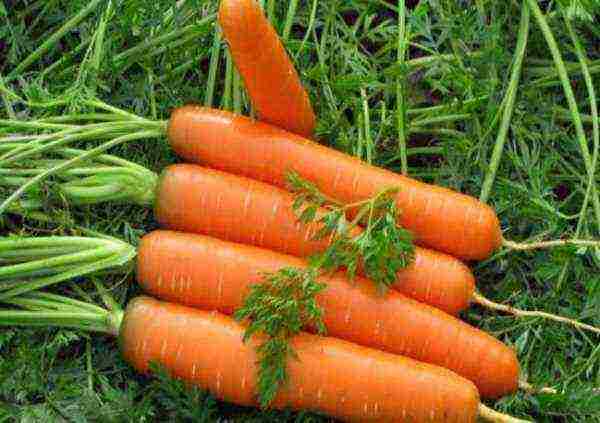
x,y
195,199
332,376
208,273
440,218
268,73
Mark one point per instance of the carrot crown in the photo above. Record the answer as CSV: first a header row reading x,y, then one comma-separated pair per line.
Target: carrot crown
x,y
113,128
40,309
96,180
29,264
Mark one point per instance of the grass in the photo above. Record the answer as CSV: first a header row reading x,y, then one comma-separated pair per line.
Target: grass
x,y
452,94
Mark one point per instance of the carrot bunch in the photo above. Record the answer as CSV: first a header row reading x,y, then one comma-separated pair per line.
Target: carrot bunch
x,y
242,224
229,220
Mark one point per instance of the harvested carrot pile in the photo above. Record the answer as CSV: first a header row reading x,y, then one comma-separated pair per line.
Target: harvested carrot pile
x,y
318,252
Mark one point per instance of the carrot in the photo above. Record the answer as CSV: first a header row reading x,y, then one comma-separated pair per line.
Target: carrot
x,y
206,349
204,272
439,218
269,76
331,376
191,198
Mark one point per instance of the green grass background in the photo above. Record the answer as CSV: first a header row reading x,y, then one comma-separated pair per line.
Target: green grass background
x,y
153,56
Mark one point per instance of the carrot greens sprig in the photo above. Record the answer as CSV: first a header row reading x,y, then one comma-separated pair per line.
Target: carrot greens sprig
x,y
280,307
383,248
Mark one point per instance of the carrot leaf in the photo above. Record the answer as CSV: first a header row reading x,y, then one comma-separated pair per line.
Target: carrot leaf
x,y
278,308
381,249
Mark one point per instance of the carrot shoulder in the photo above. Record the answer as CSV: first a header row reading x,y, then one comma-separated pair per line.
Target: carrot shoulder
x,y
204,272
268,73
191,198
331,376
440,218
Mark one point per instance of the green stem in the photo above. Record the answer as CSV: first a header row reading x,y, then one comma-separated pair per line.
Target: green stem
x,y
289,19
311,25
65,58
445,107
568,90
69,163
438,131
5,96
121,255
271,11
215,54
440,119
103,117
596,137
424,150
24,269
400,82
509,102
595,123
112,109
89,185
174,35
55,37
367,126
237,91
227,98
13,256
54,241
75,133
184,67
33,124
79,320
59,299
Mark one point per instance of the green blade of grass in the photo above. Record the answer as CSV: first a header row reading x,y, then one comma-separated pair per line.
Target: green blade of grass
x,y
508,104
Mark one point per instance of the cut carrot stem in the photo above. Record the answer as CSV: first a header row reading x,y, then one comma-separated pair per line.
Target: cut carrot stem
x,y
480,299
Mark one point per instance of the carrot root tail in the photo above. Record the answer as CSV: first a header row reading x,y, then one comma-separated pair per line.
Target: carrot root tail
x,y
494,416
543,245
530,389
485,302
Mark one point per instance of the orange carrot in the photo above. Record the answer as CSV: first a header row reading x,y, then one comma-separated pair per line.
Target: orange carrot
x,y
191,198
439,218
204,272
269,76
331,376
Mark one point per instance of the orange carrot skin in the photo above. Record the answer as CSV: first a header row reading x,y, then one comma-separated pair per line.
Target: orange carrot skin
x,y
332,376
194,199
440,218
268,73
212,274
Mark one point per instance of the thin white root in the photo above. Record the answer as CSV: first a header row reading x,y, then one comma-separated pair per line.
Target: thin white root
x,y
530,389
481,300
550,244
494,416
